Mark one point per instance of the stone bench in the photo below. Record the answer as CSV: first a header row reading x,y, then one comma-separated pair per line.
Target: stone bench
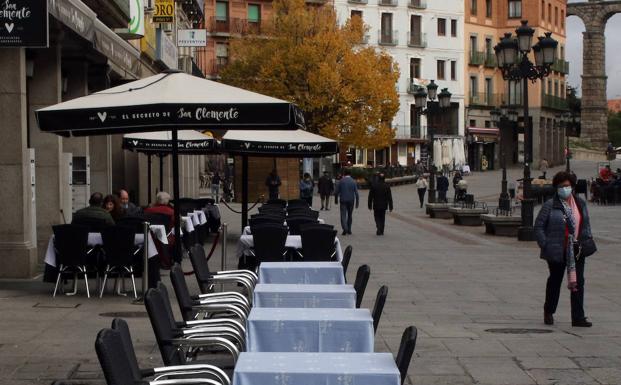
x,y
438,210
501,225
464,216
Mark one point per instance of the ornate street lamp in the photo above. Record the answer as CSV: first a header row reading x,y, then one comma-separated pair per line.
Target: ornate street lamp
x,y
513,60
426,104
504,118
568,121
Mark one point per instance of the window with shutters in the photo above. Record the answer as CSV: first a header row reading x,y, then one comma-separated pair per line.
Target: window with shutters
x,y
440,69
515,9
441,27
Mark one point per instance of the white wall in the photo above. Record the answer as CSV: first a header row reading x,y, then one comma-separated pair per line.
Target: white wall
x,y
438,47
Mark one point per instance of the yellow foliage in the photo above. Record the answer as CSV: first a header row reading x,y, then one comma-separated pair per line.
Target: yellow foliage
x,y
347,91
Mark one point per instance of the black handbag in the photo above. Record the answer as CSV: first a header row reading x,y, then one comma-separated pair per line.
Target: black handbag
x,y
587,247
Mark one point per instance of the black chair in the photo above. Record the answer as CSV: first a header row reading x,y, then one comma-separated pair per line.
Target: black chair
x,y
278,202
360,285
117,358
186,205
294,223
346,258
303,213
203,371
296,203
380,301
71,245
158,219
194,308
119,251
265,219
269,242
406,350
318,242
94,225
206,279
135,222
174,344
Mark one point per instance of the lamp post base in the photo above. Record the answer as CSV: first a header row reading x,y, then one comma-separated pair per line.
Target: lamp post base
x,y
431,196
526,232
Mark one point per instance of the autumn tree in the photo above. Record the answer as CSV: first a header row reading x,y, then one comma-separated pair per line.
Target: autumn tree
x,y
346,90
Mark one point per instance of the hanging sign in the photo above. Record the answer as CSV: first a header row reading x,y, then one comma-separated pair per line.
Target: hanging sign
x,y
164,11
136,18
192,37
23,23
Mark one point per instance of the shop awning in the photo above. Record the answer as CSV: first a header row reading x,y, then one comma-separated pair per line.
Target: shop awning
x,y
160,142
492,131
298,143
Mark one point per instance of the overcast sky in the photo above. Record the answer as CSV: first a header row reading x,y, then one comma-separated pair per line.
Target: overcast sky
x,y
575,27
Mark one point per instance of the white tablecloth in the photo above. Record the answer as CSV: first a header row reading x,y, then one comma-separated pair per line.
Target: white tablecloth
x,y
248,232
95,239
316,369
187,224
160,233
309,273
246,242
309,330
200,216
305,296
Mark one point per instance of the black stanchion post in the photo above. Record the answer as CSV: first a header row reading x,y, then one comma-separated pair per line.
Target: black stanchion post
x,y
149,178
244,215
175,170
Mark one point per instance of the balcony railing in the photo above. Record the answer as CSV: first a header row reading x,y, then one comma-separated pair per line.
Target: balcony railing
x,y
235,26
482,99
412,85
490,60
417,39
561,66
417,4
554,102
216,66
476,58
358,1
388,39
389,3
409,132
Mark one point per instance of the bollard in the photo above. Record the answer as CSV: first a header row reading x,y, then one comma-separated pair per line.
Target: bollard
x,y
145,254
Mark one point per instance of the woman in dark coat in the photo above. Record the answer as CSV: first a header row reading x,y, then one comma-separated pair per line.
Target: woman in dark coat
x,y
563,232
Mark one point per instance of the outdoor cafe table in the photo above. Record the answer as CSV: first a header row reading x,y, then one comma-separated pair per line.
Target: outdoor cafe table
x,y
95,239
316,369
186,223
246,242
305,296
314,273
309,330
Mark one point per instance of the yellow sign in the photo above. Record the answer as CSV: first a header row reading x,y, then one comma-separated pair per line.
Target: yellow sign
x,y
164,11
148,43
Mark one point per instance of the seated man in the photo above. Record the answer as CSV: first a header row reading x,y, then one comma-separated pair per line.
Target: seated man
x,y
129,208
605,173
94,214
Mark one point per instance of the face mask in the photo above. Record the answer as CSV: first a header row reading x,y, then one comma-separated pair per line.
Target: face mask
x,y
564,192
125,205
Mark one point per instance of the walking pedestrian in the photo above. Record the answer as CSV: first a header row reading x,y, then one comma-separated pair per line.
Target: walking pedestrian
x,y
380,199
421,186
215,186
563,232
456,178
543,167
347,193
306,189
442,185
273,183
325,185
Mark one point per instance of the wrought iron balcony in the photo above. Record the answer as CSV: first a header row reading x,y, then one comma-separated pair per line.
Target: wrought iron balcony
x,y
476,58
389,3
388,39
490,60
561,66
483,99
417,39
417,4
412,86
358,1
409,132
554,102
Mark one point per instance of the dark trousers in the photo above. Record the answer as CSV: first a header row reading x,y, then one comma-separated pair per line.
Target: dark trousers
x,y
347,209
442,196
553,289
309,200
380,220
421,196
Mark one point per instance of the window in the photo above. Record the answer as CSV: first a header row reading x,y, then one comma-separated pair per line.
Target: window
x,y
549,13
441,27
254,13
222,54
473,123
515,8
416,36
356,14
440,70
556,88
453,27
562,53
489,91
473,7
488,124
488,9
222,11
515,93
453,70
415,68
556,16
402,150
489,51
562,19
549,87
543,10
386,29
474,86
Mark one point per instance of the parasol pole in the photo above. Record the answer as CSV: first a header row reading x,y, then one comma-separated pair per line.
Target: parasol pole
x,y
175,170
244,218
161,172
149,178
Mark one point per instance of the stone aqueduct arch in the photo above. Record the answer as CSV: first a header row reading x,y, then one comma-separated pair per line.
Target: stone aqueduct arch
x,y
594,14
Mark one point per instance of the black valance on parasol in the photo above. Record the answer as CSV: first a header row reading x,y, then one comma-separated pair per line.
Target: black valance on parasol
x,y
298,143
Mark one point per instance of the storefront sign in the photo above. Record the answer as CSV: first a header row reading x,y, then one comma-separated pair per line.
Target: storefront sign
x,y
23,23
148,43
136,17
116,49
167,51
164,11
192,37
159,146
74,15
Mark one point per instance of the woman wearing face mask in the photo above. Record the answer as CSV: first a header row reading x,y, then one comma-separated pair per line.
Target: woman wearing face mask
x,y
563,232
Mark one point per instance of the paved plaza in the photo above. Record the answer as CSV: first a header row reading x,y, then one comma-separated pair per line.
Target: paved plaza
x,y
458,286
